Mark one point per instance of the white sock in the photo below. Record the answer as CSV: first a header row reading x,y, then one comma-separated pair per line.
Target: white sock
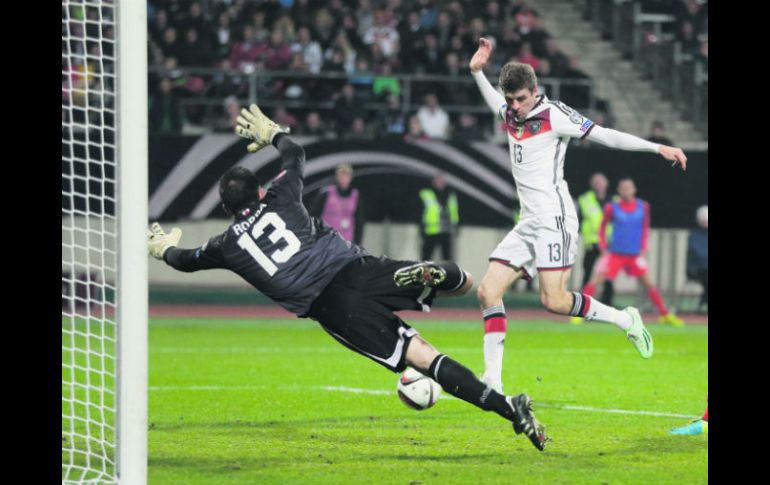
x,y
495,326
604,313
494,344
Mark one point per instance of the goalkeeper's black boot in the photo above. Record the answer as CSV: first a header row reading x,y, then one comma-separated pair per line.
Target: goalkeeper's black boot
x,y
426,273
524,420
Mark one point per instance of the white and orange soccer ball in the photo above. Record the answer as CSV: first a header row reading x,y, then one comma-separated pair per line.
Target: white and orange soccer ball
x,y
417,390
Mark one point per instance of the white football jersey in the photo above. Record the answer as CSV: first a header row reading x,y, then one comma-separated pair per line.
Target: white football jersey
x,y
537,148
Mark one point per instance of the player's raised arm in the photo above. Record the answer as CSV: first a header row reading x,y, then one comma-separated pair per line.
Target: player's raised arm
x,y
624,141
292,153
493,98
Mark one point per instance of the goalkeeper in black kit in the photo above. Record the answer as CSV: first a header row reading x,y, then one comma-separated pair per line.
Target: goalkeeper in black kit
x,y
305,266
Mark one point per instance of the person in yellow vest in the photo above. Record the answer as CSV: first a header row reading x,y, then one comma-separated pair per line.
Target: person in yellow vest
x,y
590,212
440,218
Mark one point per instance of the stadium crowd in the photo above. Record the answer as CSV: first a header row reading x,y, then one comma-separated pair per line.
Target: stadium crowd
x,y
366,42
358,44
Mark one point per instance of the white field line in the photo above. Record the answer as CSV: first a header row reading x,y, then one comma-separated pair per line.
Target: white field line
x,y
383,392
324,350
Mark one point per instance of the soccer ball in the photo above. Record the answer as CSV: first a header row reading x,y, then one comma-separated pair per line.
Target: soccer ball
x,y
418,391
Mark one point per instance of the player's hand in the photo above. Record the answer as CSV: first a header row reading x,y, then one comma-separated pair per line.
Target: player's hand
x,y
675,155
158,241
482,55
247,127
253,125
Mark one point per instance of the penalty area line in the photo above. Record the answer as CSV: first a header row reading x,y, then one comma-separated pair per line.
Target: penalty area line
x,y
383,392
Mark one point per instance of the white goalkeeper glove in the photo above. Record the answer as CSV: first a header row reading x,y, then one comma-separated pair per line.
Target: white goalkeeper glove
x,y
255,126
158,241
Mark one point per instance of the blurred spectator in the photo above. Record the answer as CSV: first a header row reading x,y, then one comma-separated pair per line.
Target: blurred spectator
x,y
195,51
227,82
687,36
276,53
560,65
362,79
469,129
508,46
463,50
492,18
440,218
346,109
169,45
314,126
233,110
476,30
658,134
392,120
302,12
259,26
458,93
195,19
359,130
411,35
165,114
452,65
285,24
444,30
223,35
382,34
434,120
428,13
349,29
324,26
698,255
386,85
415,130
339,205
430,59
158,26
527,57
309,50
694,12
364,16
341,56
530,31
247,51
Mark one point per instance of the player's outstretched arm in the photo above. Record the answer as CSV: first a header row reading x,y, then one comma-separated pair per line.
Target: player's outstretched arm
x,y
163,246
493,98
158,242
624,141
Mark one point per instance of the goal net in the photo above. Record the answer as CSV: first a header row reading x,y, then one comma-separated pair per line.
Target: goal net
x,y
104,215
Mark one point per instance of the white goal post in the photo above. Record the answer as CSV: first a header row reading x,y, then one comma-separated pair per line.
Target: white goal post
x,y
104,251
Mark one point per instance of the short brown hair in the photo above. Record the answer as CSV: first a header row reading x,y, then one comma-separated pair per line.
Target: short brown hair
x,y
515,75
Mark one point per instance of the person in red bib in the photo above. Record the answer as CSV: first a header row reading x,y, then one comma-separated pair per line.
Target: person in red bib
x,y
630,218
339,205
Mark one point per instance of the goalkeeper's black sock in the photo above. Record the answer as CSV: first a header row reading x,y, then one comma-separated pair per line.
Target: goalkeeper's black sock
x,y
459,381
455,277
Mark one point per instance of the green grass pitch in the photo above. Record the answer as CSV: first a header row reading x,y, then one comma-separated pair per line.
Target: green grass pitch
x,y
279,401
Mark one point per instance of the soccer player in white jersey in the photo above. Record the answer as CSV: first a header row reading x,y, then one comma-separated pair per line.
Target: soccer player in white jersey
x,y
545,239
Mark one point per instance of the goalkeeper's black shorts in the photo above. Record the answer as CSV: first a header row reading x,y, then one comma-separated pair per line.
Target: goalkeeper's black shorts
x,y
357,307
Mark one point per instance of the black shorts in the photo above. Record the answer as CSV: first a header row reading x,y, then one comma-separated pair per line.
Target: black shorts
x,y
357,307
